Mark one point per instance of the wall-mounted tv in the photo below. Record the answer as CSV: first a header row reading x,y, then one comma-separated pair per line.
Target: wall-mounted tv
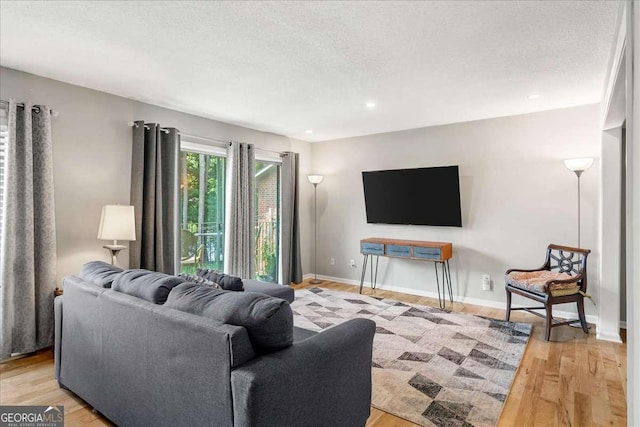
x,y
421,196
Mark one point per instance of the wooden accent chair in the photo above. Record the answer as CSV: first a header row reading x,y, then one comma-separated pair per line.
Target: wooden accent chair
x,y
195,259
562,279
192,254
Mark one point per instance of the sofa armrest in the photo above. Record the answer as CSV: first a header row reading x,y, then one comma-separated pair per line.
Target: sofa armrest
x,y
323,380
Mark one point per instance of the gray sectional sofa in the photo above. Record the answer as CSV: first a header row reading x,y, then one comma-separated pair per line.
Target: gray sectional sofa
x,y
139,362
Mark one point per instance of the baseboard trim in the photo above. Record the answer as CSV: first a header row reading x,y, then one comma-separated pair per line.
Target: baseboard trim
x,y
593,319
607,336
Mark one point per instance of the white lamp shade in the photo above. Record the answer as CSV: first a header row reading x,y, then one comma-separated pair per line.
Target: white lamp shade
x,y
315,179
581,164
117,223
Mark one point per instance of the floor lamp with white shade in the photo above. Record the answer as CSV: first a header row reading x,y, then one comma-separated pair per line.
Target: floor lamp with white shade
x,y
579,166
315,180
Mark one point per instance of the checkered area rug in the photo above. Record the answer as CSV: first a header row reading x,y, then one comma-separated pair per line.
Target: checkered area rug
x,y
431,367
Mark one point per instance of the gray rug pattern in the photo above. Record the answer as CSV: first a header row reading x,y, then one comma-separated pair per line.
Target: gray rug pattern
x,y
431,367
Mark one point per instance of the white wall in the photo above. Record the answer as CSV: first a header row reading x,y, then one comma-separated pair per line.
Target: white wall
x,y
92,157
610,234
517,197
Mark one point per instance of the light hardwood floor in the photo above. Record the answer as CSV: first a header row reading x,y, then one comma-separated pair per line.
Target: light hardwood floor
x,y
574,380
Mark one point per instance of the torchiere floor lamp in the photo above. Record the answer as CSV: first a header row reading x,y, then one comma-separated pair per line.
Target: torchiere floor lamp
x,y
315,180
578,166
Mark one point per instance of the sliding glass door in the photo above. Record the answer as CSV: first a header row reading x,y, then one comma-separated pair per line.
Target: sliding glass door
x,y
202,202
202,214
267,217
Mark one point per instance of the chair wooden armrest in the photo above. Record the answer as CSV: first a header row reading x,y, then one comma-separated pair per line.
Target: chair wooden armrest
x,y
526,270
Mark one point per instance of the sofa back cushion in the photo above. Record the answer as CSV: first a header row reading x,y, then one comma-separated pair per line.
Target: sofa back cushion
x,y
268,320
229,283
148,285
100,273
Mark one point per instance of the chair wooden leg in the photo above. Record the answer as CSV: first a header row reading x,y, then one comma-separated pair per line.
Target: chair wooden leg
x,y
583,319
508,314
549,309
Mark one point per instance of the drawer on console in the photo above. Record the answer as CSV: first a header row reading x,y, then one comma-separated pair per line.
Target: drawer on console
x,y
427,253
398,250
372,248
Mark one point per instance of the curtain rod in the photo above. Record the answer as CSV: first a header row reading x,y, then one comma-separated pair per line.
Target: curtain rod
x,y
134,124
53,112
216,141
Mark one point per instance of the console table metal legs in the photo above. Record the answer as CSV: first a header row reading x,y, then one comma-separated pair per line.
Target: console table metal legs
x,y
445,271
446,282
374,278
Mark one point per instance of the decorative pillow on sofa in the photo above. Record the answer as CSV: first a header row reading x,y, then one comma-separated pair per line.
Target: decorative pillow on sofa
x,y
199,280
229,283
100,273
145,284
268,320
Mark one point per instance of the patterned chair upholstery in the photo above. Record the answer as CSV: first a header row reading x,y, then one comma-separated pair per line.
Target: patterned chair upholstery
x,y
561,279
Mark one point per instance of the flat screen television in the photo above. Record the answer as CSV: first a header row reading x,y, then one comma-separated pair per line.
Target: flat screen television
x,y
421,196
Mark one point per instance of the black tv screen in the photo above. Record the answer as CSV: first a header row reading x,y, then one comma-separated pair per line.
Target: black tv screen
x,y
422,196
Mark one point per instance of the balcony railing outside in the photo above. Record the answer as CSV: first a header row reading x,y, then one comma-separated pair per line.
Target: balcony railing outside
x,y
210,235
267,251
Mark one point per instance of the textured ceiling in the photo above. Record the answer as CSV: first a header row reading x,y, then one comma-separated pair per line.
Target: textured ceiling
x,y
286,67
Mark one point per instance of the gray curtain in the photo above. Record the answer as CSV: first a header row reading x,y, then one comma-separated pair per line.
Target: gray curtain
x,y
291,260
28,256
239,256
154,195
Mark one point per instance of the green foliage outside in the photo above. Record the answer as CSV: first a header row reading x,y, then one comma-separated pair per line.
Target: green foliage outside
x,y
215,168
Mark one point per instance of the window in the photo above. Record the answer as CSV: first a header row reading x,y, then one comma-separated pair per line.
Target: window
x,y
267,217
202,208
4,135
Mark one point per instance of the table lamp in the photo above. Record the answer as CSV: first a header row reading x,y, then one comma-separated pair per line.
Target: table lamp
x,y
116,223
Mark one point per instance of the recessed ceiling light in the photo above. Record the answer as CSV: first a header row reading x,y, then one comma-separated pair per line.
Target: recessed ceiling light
x,y
534,96
308,131
370,105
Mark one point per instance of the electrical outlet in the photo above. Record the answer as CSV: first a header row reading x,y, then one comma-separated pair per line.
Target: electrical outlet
x,y
486,282
352,263
332,261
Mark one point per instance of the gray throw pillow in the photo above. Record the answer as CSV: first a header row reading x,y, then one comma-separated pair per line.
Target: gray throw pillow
x,y
199,280
268,320
100,273
227,282
145,284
